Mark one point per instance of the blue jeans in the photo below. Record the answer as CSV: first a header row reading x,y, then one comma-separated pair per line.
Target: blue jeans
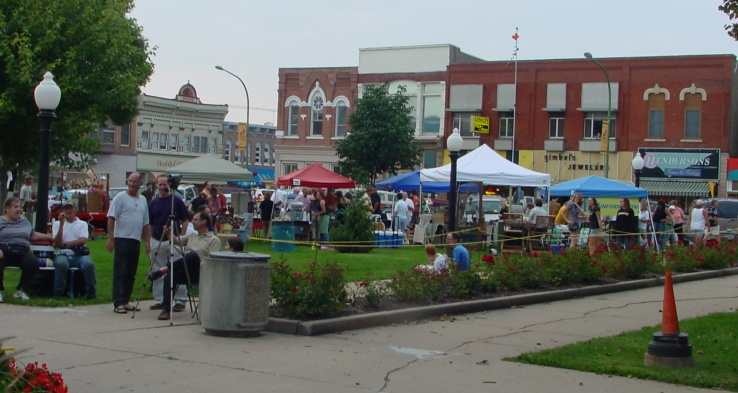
x,y
62,263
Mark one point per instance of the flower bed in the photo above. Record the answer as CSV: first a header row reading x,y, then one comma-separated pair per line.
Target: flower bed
x,y
320,292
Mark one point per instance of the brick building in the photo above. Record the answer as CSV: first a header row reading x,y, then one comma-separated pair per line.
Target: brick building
x,y
677,109
259,144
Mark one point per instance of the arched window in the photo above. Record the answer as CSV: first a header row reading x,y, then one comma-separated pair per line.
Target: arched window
x,y
656,104
692,116
341,104
316,115
293,115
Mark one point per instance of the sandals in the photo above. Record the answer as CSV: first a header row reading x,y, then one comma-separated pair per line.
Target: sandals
x,y
122,309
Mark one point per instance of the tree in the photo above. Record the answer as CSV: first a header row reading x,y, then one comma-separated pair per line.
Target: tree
x,y
381,138
730,8
99,59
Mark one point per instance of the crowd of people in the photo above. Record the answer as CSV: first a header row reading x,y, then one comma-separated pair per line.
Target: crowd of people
x,y
659,225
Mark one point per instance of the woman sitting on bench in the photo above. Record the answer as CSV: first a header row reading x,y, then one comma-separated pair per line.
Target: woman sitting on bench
x,y
197,247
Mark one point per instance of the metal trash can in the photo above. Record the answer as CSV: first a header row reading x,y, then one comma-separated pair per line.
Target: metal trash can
x,y
235,293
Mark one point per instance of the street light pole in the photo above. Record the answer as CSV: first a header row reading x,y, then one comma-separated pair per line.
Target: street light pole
x,y
609,110
220,68
47,96
637,164
454,143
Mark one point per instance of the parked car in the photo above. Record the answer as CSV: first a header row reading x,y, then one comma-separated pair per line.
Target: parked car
x,y
728,215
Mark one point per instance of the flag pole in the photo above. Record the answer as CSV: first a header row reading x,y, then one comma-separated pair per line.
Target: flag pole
x,y
515,93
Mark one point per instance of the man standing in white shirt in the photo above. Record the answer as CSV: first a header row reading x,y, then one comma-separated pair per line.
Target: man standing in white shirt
x,y
410,208
70,235
128,224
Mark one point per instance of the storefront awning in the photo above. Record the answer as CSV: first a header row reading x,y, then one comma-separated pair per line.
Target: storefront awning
x,y
676,188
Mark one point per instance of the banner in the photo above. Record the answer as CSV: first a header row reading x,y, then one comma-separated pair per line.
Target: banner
x,y
480,124
241,136
609,206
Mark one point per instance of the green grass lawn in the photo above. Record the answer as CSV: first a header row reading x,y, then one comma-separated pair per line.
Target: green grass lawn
x,y
380,263
714,339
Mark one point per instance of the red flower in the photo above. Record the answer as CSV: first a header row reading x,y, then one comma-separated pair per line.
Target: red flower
x,y
364,284
488,259
534,254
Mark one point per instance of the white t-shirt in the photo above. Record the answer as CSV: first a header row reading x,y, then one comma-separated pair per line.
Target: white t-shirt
x,y
440,263
410,205
401,209
72,230
26,193
131,214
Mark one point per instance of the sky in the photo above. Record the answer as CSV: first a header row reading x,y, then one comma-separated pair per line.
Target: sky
x,y
253,39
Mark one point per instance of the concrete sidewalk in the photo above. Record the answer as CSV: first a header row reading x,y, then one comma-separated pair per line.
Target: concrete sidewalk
x,y
99,351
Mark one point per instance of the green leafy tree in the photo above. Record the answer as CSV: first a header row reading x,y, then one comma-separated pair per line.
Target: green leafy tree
x,y
99,59
381,138
354,225
730,8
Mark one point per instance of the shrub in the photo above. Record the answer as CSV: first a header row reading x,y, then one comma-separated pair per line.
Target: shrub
x,y
419,285
514,272
680,259
715,256
630,264
570,267
375,293
354,225
315,293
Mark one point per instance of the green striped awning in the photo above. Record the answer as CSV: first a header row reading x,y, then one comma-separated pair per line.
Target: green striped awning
x,y
693,189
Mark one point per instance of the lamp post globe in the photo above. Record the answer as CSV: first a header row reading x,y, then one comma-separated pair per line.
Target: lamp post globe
x,y
454,143
47,96
637,162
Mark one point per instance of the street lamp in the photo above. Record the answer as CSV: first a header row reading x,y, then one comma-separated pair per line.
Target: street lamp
x,y
637,164
454,143
588,55
220,68
47,95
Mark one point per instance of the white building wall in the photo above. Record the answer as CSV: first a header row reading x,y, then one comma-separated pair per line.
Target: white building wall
x,y
422,58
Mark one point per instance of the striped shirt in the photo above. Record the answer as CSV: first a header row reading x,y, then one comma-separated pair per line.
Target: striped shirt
x,y
16,233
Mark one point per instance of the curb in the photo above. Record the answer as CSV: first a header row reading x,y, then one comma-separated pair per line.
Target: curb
x,y
382,318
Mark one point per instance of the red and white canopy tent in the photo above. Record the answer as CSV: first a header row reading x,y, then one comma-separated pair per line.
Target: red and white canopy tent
x,y
315,175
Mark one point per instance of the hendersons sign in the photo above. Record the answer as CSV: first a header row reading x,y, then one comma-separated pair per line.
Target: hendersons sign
x,y
681,163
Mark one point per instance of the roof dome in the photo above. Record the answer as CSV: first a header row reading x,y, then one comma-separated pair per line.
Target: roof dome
x,y
188,93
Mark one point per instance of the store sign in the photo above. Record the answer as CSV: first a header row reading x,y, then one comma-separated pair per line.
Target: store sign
x,y
158,162
681,163
480,124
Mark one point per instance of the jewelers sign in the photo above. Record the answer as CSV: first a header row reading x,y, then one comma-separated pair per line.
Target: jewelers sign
x,y
681,163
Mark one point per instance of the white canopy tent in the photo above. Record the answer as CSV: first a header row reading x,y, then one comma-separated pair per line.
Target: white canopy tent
x,y
488,167
210,168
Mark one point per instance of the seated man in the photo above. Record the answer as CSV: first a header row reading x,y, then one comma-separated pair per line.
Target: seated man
x,y
197,246
460,254
535,212
70,235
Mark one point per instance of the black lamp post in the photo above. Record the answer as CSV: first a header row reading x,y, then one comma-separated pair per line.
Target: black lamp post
x,y
637,164
605,135
47,96
454,143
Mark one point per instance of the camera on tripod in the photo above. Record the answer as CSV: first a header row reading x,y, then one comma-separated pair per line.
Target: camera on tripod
x,y
174,180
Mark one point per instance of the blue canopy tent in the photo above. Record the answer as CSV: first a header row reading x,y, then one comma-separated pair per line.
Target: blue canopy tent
x,y
597,186
410,181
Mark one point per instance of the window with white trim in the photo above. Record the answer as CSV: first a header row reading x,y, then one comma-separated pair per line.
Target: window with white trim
x,y
341,119
316,116
144,142
693,116
432,109
107,136
593,125
556,126
293,118
462,121
506,124
173,142
154,141
656,105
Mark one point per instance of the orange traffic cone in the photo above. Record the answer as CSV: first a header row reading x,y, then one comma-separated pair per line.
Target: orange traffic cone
x,y
669,347
669,319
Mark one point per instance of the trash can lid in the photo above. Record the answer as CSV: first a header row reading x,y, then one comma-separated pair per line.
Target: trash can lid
x,y
240,256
